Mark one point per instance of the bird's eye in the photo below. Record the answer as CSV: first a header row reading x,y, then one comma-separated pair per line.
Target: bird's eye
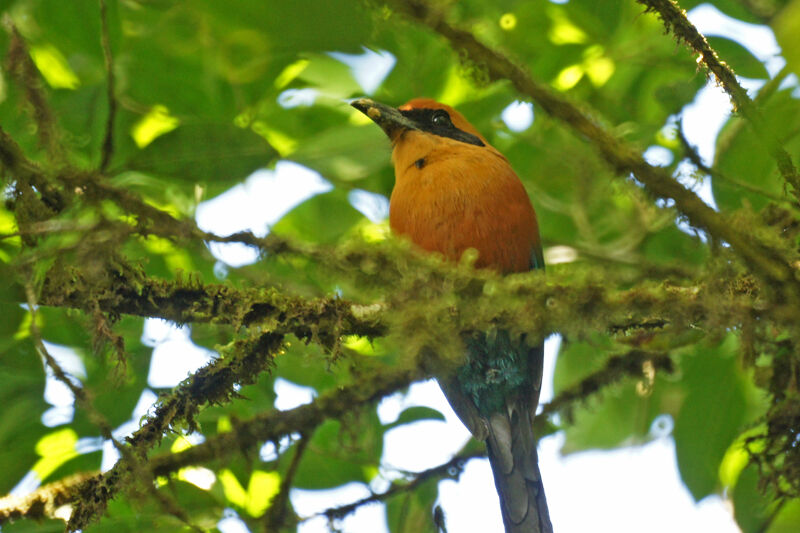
x,y
440,118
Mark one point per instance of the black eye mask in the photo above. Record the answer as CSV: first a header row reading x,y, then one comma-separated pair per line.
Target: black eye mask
x,y
437,122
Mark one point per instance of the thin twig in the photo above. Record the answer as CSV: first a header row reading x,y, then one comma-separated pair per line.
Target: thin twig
x,y
108,139
616,368
275,519
452,469
79,393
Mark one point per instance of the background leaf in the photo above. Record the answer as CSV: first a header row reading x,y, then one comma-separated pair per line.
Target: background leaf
x,y
711,416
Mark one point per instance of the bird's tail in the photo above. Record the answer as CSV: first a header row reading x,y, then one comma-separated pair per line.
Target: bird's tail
x,y
512,455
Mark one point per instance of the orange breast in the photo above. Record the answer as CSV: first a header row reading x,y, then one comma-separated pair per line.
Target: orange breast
x,y
461,196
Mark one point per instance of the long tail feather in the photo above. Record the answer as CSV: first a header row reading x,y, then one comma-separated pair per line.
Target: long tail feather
x,y
512,455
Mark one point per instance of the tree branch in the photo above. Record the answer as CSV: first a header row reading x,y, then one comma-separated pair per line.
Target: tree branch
x,y
273,425
190,301
766,260
530,302
213,383
43,502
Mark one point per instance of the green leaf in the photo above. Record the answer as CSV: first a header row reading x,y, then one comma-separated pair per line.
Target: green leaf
x,y
743,62
216,155
595,17
72,27
64,326
787,519
305,365
345,154
742,155
741,10
671,245
325,218
330,76
412,512
21,395
786,25
751,508
578,359
620,415
711,416
339,454
415,414
310,25
86,462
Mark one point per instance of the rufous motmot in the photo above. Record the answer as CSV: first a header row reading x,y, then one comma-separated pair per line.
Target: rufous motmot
x,y
453,192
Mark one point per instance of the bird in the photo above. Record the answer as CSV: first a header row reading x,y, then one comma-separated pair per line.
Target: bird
x,y
454,192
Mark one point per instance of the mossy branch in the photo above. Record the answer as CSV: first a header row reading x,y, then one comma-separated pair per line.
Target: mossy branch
x,y
212,384
42,503
89,493
532,303
275,424
190,301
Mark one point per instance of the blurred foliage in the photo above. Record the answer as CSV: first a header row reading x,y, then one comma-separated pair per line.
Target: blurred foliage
x,y
208,92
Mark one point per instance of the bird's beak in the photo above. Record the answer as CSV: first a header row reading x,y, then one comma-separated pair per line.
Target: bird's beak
x,y
391,121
